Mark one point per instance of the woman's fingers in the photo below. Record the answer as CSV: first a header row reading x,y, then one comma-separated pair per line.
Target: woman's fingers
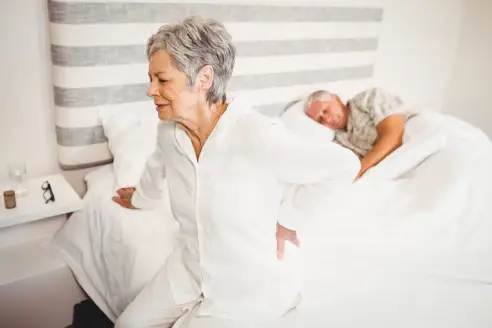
x,y
280,247
284,234
123,202
295,240
125,192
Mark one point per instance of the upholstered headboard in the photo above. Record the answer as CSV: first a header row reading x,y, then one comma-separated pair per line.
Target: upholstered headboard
x,y
284,50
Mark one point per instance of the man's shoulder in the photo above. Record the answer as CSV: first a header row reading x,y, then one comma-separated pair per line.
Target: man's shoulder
x,y
373,98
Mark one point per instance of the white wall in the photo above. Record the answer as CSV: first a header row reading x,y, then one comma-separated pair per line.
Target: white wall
x,y
469,91
418,44
26,115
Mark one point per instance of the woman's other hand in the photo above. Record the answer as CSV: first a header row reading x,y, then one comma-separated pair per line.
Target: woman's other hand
x,y
284,234
124,197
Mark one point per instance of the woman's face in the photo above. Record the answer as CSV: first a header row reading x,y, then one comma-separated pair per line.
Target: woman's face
x,y
332,114
169,88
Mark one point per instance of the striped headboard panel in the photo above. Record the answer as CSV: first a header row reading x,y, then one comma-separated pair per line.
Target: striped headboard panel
x,y
284,50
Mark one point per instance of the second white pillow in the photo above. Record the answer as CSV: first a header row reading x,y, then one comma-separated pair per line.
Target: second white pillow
x,y
296,120
132,138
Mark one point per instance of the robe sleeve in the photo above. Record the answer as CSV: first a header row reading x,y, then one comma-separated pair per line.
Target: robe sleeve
x,y
148,193
315,169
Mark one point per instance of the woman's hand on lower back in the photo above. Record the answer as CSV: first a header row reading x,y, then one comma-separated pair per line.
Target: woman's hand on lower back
x,y
124,197
283,235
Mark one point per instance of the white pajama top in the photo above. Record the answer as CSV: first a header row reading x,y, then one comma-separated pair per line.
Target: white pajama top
x,y
227,205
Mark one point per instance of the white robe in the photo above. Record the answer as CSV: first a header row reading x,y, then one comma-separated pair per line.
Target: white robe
x,y
227,205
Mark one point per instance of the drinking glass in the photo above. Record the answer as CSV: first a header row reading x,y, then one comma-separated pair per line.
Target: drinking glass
x,y
17,170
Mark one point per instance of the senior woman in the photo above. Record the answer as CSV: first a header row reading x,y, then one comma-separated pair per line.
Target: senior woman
x,y
371,124
227,168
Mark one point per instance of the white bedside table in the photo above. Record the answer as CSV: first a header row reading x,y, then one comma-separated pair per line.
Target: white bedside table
x,y
36,288
28,221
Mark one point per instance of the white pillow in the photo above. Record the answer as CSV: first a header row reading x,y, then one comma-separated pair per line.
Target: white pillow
x,y
132,138
296,120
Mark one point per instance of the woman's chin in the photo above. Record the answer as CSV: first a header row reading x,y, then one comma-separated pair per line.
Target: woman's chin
x,y
164,115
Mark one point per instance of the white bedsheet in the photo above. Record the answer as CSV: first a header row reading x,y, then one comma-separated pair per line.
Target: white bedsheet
x,y
412,252
112,251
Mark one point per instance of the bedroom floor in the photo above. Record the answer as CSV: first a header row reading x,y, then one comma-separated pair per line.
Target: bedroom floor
x,y
88,315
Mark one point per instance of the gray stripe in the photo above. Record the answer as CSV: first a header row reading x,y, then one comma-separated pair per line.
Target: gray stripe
x,y
86,97
117,55
253,82
94,13
297,47
67,167
95,96
73,137
97,56
273,109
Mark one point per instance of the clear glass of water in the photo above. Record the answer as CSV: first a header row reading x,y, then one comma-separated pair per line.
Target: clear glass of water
x,y
17,171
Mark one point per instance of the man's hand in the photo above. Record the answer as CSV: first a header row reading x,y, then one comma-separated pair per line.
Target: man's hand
x,y
124,197
360,174
284,234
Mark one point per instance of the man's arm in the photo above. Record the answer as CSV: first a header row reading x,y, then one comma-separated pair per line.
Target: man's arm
x,y
390,137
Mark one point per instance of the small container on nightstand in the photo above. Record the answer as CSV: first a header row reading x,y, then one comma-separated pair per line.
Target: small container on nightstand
x,y
9,199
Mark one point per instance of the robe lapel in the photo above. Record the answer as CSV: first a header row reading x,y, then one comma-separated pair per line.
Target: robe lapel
x,y
234,110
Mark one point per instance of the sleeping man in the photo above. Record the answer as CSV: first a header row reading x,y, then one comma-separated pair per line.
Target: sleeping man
x,y
371,124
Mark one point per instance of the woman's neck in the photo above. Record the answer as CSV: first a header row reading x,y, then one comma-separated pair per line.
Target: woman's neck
x,y
200,135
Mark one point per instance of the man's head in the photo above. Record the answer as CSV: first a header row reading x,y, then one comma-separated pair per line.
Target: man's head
x,y
327,109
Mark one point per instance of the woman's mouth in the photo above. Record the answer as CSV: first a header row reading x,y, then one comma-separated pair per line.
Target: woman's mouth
x,y
159,107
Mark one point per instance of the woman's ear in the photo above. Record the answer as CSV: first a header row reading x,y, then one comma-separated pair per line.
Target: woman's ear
x,y
205,78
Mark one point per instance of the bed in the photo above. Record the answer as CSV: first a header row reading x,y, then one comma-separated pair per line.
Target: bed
x,y
416,251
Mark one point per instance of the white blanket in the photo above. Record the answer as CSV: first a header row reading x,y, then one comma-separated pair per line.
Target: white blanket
x,y
436,207
112,251
388,244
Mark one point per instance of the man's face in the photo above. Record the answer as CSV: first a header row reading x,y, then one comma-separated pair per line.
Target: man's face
x,y
332,114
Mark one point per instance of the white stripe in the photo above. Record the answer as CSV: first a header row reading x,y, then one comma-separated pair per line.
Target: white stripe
x,y
70,117
304,3
136,34
345,89
97,76
83,154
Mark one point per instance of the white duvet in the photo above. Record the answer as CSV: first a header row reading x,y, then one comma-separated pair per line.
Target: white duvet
x,y
409,246
112,251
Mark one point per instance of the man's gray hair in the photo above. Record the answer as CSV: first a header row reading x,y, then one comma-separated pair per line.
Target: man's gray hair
x,y
194,43
321,95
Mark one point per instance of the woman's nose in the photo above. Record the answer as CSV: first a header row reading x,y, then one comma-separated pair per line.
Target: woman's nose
x,y
152,90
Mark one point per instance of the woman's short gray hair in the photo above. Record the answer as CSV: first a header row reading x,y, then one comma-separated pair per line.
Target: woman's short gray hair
x,y
194,43
321,95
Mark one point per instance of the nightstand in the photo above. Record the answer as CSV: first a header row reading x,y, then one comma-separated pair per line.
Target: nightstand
x,y
36,288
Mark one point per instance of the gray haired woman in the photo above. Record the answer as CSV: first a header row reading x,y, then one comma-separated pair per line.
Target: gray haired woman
x,y
227,168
